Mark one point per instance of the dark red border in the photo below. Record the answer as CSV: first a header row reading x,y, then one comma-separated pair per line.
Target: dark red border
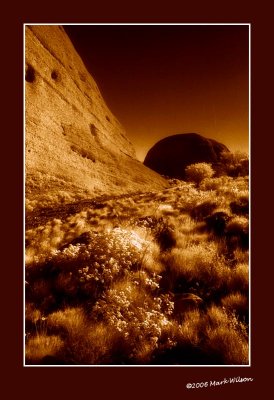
x,y
128,382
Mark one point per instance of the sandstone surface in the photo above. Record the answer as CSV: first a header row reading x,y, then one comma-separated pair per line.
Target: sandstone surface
x,y
75,148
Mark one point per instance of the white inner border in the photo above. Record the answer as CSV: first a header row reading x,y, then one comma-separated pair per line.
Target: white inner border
x,y
24,175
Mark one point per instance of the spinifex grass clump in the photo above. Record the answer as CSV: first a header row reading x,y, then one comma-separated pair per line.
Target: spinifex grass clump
x,y
157,278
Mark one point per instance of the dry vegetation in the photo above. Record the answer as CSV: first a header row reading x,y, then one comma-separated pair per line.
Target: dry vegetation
x,y
156,278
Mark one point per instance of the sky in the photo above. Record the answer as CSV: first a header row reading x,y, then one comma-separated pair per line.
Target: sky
x,y
160,80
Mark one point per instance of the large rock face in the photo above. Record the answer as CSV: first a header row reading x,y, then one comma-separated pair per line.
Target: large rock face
x,y
171,155
75,147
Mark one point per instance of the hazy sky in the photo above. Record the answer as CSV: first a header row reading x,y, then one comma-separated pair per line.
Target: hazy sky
x,y
159,80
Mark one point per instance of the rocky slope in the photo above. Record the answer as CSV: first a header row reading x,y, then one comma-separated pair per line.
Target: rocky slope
x,y
171,155
74,146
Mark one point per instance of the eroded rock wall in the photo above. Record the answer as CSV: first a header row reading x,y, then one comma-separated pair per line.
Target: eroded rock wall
x,y
75,148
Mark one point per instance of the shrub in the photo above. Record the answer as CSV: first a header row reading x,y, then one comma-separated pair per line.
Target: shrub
x,y
129,309
217,222
226,336
41,346
234,164
237,232
162,231
211,337
237,303
98,345
239,278
203,210
197,266
165,237
237,225
199,171
71,321
240,206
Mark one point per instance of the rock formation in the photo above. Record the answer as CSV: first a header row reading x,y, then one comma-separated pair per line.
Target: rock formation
x,y
171,155
74,146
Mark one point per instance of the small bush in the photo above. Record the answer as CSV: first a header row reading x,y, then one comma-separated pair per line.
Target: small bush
x,y
161,230
199,171
237,225
237,232
237,303
165,237
240,206
227,335
203,210
217,222
239,279
197,266
129,309
234,164
212,337
97,344
41,346
70,321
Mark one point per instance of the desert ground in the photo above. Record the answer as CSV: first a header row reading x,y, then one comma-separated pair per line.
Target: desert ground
x,y
150,278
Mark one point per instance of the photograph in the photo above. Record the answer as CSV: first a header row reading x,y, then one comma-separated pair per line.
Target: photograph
x,y
136,195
